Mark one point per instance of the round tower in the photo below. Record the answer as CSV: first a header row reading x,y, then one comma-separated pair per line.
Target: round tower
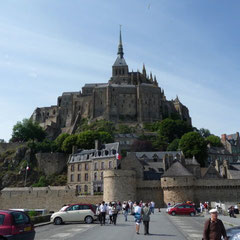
x,y
119,185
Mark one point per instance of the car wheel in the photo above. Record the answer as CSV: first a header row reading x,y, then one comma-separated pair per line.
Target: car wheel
x,y
173,213
58,221
88,219
192,214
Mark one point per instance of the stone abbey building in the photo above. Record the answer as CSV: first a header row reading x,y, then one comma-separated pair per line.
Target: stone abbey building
x,y
130,97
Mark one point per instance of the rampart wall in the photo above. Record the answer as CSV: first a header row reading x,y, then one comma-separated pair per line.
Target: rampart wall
x,y
50,198
197,190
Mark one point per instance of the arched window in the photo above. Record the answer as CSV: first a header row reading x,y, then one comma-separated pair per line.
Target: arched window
x,y
101,176
85,188
95,176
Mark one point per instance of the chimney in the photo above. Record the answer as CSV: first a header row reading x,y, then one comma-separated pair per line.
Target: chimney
x,y
224,137
96,145
74,149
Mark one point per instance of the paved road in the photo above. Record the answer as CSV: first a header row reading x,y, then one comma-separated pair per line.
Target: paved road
x,y
162,227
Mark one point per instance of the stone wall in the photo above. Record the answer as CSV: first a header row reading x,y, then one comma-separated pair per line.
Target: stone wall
x,y
50,198
200,190
51,163
148,191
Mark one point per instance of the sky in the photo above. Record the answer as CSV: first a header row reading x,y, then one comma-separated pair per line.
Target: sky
x,y
51,47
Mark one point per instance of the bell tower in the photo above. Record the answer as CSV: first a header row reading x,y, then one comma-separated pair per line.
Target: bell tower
x,y
120,67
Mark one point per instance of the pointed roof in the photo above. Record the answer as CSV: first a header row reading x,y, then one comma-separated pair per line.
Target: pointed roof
x,y
192,161
120,46
177,170
210,172
120,61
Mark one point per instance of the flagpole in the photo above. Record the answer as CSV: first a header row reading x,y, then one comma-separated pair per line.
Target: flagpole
x,y
25,182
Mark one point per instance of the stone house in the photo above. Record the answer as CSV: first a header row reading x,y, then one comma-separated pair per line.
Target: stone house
x,y
86,167
231,143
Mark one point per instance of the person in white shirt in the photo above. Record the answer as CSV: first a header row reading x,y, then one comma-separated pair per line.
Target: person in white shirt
x,y
110,213
137,216
102,215
152,206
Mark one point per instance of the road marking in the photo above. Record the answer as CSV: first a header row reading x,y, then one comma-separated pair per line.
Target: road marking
x,y
75,230
195,235
60,235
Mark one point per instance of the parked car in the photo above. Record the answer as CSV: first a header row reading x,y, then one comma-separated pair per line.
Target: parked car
x,y
15,225
75,213
182,209
233,233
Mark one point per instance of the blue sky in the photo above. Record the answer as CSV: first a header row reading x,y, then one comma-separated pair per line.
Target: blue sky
x,y
192,46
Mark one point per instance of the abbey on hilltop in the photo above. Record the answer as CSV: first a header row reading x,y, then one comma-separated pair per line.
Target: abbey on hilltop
x,y
130,97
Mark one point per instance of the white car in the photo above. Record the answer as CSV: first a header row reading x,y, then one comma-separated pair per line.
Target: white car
x,y
75,213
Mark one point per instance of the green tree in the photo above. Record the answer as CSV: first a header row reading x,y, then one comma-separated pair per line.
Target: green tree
x,y
171,129
27,130
105,137
214,141
204,132
86,139
69,142
123,128
59,141
193,144
173,146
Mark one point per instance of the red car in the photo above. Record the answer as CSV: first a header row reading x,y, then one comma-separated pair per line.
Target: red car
x,y
182,209
15,225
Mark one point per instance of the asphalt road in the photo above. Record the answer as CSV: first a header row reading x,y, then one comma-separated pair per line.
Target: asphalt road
x,y
162,227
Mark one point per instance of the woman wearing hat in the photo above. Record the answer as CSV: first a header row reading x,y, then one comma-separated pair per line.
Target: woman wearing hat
x,y
214,228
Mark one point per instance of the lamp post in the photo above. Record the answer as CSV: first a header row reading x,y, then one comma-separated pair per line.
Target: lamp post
x,y
26,172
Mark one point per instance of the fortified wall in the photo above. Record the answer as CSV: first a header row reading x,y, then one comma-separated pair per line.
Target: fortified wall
x,y
50,198
181,189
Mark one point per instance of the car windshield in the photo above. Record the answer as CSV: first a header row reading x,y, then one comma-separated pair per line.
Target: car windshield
x,y
1,219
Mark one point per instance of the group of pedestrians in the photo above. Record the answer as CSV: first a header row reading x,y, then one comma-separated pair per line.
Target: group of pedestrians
x,y
108,212
111,210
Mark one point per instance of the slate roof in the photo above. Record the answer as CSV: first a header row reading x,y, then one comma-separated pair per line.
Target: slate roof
x,y
107,150
120,62
177,170
236,166
218,150
235,174
192,161
160,155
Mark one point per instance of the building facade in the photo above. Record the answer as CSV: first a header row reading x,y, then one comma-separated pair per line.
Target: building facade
x,y
86,167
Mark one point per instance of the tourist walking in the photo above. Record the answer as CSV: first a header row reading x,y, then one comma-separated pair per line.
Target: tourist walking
x,y
125,208
152,206
114,213
137,216
214,228
110,213
102,215
146,212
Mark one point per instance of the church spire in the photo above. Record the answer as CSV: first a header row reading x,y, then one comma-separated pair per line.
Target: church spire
x,y
120,46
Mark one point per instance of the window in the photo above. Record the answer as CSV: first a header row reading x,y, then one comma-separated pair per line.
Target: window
x,y
85,188
95,166
79,167
79,188
102,165
101,176
85,207
1,219
95,176
79,177
72,178
86,176
20,218
72,168
73,208
86,166
110,165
